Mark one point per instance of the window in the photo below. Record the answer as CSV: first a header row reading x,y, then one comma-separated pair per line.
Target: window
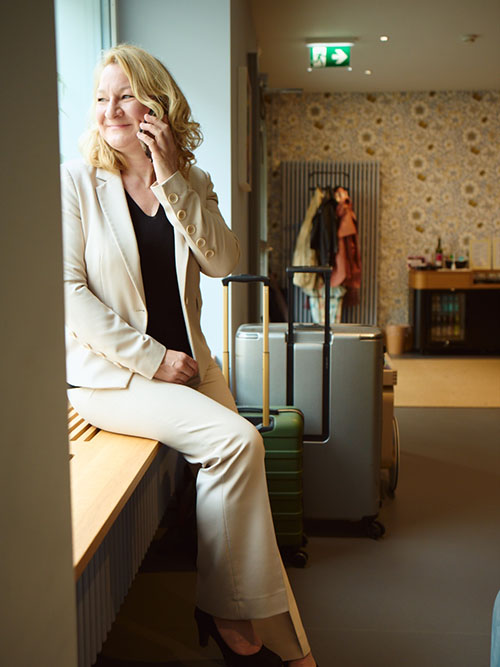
x,y
83,29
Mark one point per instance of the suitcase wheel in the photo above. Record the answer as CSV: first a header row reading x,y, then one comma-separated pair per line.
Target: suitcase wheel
x,y
375,529
295,557
299,558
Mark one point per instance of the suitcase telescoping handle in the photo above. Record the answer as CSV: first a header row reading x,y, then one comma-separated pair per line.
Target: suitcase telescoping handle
x,y
247,278
326,271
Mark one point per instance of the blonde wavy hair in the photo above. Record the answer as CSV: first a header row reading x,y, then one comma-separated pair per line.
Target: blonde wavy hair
x,y
153,86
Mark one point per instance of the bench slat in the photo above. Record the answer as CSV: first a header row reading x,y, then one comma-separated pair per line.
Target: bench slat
x,y
79,428
85,432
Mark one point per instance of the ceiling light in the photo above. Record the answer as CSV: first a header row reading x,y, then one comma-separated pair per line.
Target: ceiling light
x,y
470,39
285,91
328,42
384,38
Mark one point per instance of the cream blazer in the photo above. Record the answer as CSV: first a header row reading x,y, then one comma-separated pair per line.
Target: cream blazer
x,y
106,314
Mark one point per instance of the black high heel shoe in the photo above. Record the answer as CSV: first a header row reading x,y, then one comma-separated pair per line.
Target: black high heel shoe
x,y
207,628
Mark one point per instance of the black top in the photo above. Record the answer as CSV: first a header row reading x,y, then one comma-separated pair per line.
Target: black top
x,y
155,240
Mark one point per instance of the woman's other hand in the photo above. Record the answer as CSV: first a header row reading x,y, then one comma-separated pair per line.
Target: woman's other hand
x,y
158,137
176,367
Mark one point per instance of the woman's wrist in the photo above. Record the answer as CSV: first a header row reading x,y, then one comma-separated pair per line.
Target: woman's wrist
x,y
162,183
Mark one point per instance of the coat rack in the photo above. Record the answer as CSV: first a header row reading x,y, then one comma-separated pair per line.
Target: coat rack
x,y
325,172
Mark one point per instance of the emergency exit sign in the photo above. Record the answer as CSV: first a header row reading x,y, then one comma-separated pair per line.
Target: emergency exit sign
x,y
329,56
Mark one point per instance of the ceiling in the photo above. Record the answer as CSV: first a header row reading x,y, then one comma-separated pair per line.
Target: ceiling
x,y
425,50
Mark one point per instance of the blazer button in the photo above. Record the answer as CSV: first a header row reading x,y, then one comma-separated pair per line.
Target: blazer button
x,y
181,214
190,229
209,253
201,242
173,198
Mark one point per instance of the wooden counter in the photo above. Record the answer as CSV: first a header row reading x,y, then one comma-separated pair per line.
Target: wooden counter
x,y
455,279
455,311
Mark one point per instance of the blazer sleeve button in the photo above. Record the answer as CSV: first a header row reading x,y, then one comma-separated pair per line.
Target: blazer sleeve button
x,y
190,229
201,242
181,214
173,198
209,253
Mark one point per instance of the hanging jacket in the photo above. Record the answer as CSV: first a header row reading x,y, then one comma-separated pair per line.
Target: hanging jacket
x,y
303,254
348,260
324,238
317,244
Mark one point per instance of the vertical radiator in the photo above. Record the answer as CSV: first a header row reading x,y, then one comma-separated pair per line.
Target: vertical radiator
x,y
103,585
299,179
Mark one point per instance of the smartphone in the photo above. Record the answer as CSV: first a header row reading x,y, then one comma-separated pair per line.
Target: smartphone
x,y
144,147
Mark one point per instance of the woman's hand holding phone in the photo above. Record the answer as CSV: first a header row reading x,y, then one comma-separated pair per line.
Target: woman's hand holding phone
x,y
157,136
145,147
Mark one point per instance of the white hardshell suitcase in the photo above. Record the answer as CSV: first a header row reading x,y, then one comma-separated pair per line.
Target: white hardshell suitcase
x,y
340,394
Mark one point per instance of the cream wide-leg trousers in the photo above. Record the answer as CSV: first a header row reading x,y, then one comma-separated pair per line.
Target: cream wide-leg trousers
x,y
240,572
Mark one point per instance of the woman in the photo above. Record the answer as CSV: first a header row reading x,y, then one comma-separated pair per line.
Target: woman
x,y
140,223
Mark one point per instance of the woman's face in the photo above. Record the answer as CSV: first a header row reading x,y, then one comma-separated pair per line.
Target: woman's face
x,y
118,112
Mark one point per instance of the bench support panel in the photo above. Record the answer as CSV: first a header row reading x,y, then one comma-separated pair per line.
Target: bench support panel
x,y
105,581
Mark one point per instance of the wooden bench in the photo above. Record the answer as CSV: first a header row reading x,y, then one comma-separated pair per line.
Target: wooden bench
x,y
120,487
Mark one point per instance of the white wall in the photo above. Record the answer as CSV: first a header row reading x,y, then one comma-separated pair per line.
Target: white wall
x,y
37,591
202,42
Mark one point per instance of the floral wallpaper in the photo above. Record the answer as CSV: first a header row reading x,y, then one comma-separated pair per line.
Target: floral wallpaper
x,y
440,169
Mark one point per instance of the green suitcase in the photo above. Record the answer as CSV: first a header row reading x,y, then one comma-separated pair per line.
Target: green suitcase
x,y
282,430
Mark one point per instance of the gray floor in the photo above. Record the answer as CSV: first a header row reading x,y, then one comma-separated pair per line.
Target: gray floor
x,y
421,596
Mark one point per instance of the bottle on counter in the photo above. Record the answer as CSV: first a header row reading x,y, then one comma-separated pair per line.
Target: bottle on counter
x,y
438,257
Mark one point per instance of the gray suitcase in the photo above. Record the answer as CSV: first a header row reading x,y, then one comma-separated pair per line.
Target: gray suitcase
x,y
339,390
